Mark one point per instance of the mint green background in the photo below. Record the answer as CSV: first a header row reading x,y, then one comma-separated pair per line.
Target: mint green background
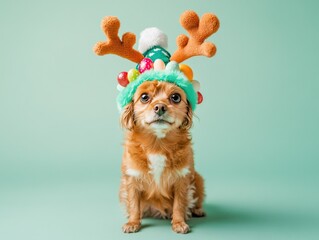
x,y
255,139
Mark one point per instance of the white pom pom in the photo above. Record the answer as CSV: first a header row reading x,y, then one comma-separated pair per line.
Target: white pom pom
x,y
151,37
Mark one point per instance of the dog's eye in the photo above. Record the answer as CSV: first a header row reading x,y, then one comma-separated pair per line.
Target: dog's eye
x,y
145,98
176,98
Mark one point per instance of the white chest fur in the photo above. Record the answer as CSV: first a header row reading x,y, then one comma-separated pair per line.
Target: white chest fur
x,y
156,165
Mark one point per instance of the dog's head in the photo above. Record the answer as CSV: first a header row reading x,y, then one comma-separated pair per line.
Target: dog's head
x,y
159,107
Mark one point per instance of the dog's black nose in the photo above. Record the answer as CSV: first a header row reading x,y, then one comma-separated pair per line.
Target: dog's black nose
x,y
160,109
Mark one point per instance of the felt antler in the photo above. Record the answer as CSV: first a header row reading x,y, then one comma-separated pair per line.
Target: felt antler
x,y
198,30
114,45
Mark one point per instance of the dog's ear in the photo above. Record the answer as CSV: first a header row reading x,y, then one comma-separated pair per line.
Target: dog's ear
x,y
188,121
127,117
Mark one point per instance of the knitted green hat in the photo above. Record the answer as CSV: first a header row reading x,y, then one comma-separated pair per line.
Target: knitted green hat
x,y
156,65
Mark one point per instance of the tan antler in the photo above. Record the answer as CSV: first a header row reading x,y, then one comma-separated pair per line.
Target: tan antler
x,y
198,30
114,45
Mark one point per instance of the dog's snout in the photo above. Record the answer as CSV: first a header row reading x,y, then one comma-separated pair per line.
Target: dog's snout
x,y
160,109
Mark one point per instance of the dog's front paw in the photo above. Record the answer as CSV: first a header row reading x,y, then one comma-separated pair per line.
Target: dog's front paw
x,y
180,227
131,227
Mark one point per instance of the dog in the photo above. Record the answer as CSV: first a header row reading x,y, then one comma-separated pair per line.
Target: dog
x,y
158,175
157,99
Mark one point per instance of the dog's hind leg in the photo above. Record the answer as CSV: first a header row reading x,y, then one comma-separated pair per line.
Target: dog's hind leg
x,y
197,210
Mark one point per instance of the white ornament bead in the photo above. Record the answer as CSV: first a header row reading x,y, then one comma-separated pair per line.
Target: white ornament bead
x,y
159,65
196,85
119,87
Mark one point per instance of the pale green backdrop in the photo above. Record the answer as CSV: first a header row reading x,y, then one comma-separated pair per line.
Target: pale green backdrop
x,y
255,139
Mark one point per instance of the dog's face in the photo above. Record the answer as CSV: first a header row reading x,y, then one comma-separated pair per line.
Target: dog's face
x,y
159,107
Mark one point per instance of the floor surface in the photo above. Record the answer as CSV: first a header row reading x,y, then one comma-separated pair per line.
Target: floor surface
x,y
89,209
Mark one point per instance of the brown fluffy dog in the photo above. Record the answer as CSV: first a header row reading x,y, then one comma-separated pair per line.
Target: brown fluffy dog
x,y
158,175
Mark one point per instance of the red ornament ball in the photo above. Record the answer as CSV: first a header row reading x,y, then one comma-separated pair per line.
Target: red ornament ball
x,y
122,79
199,98
145,65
